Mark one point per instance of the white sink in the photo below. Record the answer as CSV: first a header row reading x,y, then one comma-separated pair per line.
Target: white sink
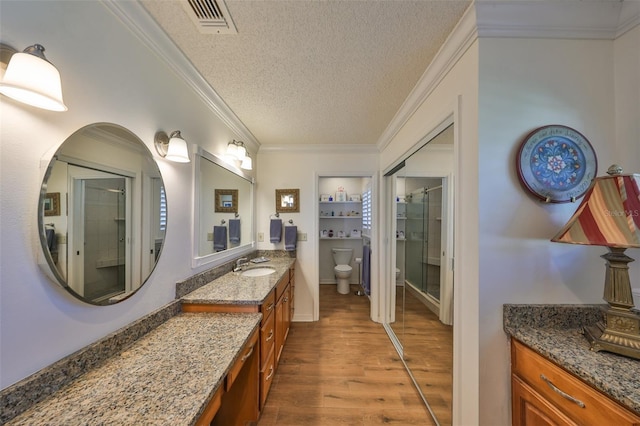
x,y
257,272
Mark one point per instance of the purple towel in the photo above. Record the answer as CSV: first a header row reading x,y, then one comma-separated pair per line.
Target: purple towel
x,y
366,268
275,231
290,237
219,238
234,231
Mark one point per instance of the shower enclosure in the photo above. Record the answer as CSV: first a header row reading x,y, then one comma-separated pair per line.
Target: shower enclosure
x,y
423,242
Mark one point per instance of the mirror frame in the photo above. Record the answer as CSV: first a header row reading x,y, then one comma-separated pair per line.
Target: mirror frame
x,y
45,258
219,208
295,193
220,257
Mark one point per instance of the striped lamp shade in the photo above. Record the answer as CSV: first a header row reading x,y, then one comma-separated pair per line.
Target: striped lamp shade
x,y
609,214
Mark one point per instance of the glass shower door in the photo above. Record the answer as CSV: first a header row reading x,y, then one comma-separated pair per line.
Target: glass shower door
x,y
415,236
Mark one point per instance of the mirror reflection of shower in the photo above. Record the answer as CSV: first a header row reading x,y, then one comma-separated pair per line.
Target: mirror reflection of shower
x,y
423,239
99,240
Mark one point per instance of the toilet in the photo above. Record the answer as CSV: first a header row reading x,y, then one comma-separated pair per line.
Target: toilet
x,y
342,259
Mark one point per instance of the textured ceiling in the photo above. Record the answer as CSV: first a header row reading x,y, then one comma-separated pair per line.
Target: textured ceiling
x,y
315,72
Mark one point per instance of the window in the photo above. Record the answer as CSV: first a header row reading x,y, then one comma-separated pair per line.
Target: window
x,y
366,210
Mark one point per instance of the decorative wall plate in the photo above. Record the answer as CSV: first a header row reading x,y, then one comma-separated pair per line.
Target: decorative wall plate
x,y
556,164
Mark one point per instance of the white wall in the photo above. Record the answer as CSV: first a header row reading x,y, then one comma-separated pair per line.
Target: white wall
x,y
110,78
525,84
282,169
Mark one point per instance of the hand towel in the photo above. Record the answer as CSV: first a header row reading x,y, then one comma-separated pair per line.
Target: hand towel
x,y
234,231
366,268
275,230
219,238
51,239
290,237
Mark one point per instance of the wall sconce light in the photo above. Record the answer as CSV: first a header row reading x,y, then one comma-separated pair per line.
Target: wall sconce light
x,y
31,79
236,151
172,147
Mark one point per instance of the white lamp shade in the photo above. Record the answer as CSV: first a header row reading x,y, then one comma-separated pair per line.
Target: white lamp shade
x,y
241,152
232,151
33,81
247,164
177,150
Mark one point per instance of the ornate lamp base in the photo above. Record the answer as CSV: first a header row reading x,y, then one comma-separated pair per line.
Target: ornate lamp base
x,y
620,335
620,332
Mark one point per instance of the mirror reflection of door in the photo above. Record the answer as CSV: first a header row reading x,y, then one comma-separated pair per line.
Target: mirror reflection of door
x,y
99,240
422,212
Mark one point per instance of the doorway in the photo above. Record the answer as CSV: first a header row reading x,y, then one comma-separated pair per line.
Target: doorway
x,y
345,225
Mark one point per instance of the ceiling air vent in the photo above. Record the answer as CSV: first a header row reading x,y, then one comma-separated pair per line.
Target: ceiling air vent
x,y
210,16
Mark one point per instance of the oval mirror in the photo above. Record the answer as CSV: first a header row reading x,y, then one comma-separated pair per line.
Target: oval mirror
x,y
102,214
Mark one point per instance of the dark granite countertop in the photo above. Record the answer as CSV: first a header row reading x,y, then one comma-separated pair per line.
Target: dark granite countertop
x,y
233,288
555,331
166,377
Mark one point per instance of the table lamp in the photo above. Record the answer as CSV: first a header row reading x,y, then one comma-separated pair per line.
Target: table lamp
x,y
609,215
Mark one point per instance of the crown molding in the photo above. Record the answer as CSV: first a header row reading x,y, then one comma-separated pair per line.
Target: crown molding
x,y
567,19
321,148
133,15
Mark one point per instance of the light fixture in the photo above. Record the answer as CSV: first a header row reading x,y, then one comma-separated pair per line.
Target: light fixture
x,y
609,215
246,164
172,147
31,79
236,151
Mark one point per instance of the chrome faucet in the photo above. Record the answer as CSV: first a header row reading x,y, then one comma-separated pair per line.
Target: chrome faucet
x,y
240,263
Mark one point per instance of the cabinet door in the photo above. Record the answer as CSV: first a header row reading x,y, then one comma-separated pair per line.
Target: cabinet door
x,y
286,321
531,409
279,328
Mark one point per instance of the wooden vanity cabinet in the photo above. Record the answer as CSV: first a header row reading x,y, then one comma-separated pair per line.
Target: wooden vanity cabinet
x,y
241,399
277,312
545,394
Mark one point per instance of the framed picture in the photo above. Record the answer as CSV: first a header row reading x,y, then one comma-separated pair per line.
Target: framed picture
x,y
226,201
52,204
556,164
287,200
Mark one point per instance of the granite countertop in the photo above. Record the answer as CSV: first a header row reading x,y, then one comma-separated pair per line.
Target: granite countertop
x,y
555,331
235,289
166,378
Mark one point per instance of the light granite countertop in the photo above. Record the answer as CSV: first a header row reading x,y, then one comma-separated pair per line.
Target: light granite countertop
x,y
555,331
166,378
235,289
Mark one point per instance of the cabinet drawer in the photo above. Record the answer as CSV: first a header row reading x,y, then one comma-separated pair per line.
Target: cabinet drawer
x,y
266,377
267,306
576,399
246,352
281,286
267,338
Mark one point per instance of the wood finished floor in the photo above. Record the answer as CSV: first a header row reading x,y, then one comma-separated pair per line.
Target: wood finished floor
x,y
342,370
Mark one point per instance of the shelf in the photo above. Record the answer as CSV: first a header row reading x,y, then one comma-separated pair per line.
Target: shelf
x,y
340,202
340,238
340,217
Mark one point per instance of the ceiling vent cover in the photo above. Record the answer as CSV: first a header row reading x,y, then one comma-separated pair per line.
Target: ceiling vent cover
x,y
210,16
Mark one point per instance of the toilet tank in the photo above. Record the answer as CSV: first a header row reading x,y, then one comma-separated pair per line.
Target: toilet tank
x,y
342,256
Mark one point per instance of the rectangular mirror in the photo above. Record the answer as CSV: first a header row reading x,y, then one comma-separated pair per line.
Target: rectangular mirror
x,y
287,200
223,211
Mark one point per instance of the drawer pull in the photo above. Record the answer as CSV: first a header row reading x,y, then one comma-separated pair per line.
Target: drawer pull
x,y
270,335
266,379
270,307
244,358
562,393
